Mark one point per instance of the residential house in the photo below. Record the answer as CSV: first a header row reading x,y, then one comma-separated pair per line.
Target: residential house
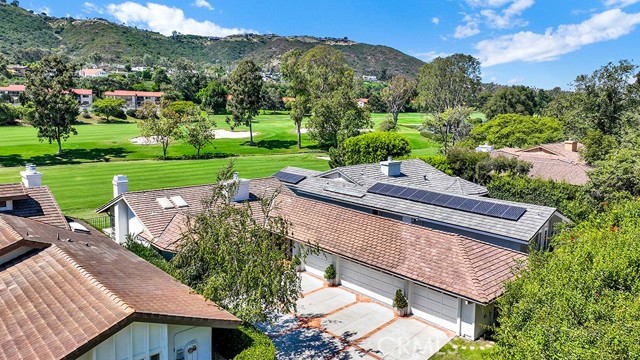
x,y
17,70
135,99
558,161
369,78
69,293
90,73
451,280
412,191
12,95
362,102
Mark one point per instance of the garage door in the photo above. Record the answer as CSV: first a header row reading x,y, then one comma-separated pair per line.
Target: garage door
x,y
436,307
317,263
370,282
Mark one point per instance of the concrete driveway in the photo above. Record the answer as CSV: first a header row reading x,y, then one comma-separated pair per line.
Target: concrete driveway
x,y
336,323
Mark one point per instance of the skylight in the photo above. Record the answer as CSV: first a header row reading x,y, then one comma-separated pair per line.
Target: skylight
x,y
179,201
165,203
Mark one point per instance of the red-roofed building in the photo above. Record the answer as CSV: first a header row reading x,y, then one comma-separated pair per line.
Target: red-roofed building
x,y
135,99
12,93
362,102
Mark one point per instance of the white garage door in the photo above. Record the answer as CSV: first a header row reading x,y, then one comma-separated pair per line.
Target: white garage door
x,y
436,307
370,282
317,263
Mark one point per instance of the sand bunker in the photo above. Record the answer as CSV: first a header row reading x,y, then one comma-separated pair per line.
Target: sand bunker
x,y
141,140
226,134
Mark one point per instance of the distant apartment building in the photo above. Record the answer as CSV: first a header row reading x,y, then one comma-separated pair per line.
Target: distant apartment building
x,y
90,73
11,94
135,99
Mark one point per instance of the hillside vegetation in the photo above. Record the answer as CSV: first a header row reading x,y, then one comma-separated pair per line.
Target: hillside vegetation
x,y
95,40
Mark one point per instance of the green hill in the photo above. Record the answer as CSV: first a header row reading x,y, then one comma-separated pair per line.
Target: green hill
x,y
23,34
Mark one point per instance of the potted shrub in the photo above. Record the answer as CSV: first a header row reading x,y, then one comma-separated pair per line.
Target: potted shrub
x,y
400,303
330,275
297,263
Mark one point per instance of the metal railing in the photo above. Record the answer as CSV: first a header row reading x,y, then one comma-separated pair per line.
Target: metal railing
x,y
100,222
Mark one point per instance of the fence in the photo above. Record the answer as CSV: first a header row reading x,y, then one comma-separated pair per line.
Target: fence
x,y
100,222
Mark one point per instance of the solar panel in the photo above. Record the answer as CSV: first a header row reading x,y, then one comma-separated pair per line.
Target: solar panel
x,y
468,205
497,210
442,200
289,177
514,213
481,207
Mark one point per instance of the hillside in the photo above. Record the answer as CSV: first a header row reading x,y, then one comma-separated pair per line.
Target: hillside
x,y
22,34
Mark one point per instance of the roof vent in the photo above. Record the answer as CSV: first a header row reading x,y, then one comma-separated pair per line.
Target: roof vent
x,y
165,203
390,167
179,201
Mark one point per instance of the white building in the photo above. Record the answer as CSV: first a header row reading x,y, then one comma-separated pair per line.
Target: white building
x,y
90,73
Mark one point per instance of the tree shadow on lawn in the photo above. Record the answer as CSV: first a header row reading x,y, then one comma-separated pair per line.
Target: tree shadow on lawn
x,y
272,144
70,156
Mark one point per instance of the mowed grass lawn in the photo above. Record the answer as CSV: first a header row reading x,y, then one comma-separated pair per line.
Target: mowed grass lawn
x,y
81,188
274,134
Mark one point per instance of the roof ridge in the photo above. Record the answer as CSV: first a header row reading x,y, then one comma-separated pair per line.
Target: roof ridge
x,y
471,270
10,228
56,205
93,280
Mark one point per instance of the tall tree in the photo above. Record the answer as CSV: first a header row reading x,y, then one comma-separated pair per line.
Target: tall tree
x,y
450,126
197,130
160,125
292,73
238,254
49,89
245,84
448,83
213,98
398,91
511,100
331,87
606,97
187,79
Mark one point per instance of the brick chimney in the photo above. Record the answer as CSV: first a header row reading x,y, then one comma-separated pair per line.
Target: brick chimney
x,y
571,145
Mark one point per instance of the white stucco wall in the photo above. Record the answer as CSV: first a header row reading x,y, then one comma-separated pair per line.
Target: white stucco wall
x,y
467,319
140,341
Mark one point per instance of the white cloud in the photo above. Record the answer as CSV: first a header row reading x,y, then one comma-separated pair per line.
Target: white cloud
x,y
470,28
428,56
203,4
516,80
89,7
619,3
528,46
44,9
508,17
165,19
435,20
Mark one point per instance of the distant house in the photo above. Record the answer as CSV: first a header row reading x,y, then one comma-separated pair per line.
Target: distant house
x,y
558,161
369,78
90,73
362,102
17,70
12,95
135,99
69,293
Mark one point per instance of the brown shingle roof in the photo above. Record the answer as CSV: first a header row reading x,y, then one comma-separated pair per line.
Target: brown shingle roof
x,y
453,263
39,205
551,162
65,296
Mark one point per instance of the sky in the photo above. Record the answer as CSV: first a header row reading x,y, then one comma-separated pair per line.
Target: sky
x,y
541,43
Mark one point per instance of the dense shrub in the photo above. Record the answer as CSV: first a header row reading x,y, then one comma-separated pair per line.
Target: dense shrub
x,y
374,147
439,162
579,301
572,201
511,130
131,113
463,162
8,114
597,146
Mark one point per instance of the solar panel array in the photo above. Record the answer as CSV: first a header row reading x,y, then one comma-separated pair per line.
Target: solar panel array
x,y
289,177
481,207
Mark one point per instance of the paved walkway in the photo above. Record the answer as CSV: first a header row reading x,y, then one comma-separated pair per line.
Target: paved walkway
x,y
336,323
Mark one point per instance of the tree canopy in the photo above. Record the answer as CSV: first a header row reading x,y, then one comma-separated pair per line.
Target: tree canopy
x,y
396,95
213,98
245,85
108,107
511,130
374,147
511,100
49,90
579,301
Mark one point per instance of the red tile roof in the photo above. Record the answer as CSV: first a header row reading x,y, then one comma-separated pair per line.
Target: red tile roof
x,y
67,297
18,88
83,91
134,93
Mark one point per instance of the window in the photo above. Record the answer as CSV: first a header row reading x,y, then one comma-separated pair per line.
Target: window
x,y
154,357
3,204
